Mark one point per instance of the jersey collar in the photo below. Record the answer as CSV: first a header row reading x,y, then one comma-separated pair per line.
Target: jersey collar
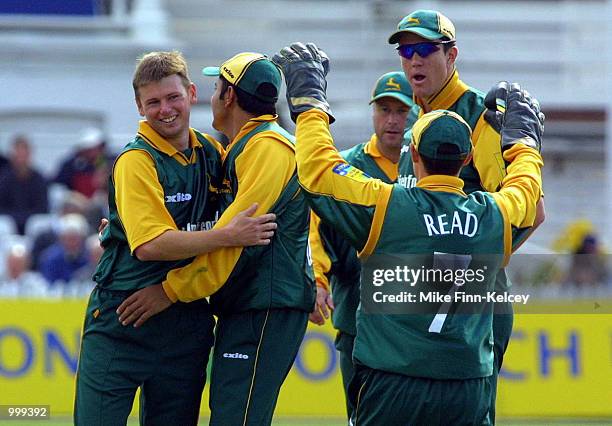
x,y
450,92
371,147
250,125
386,165
158,142
442,183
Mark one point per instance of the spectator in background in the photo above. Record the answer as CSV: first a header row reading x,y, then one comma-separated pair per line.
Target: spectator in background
x,y
3,162
84,275
18,280
87,170
23,190
61,260
588,268
73,202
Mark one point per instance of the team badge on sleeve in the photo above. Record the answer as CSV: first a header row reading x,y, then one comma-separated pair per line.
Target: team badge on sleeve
x,y
351,172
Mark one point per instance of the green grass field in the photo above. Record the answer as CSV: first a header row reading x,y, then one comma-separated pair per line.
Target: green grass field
x,y
333,422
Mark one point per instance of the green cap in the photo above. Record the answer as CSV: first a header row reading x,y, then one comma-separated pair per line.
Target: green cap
x,y
442,135
252,72
393,85
429,24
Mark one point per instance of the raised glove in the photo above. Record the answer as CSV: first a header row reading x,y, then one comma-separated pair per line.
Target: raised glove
x,y
515,115
305,68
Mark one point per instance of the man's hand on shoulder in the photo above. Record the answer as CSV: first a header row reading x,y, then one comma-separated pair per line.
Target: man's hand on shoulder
x,y
248,230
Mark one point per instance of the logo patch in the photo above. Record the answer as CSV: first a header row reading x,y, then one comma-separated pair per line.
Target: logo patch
x,y
178,197
409,181
228,71
351,172
235,355
393,85
414,20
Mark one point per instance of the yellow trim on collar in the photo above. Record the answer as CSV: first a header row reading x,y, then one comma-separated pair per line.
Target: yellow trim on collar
x,y
386,165
442,183
371,147
248,126
158,142
450,92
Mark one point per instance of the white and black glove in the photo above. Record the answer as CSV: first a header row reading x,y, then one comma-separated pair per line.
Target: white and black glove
x,y
515,115
305,68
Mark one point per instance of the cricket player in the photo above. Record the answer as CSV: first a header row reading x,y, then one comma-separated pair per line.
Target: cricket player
x,y
432,367
334,259
426,42
164,197
262,296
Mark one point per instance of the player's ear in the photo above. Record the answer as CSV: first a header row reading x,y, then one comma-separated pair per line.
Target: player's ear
x,y
451,56
192,91
468,159
414,154
139,106
230,96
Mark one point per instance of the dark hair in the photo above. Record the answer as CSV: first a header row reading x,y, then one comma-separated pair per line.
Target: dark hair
x,y
248,102
435,166
447,46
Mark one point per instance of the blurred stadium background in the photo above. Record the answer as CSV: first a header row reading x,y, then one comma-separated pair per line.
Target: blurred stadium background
x,y
67,66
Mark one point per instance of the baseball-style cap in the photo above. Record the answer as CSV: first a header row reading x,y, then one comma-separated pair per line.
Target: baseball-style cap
x,y
90,138
393,85
252,72
438,128
429,24
73,223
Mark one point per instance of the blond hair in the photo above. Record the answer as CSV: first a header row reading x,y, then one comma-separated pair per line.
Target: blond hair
x,y
155,66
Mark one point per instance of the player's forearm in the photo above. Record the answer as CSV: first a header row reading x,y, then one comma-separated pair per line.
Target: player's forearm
x,y
208,272
540,214
203,276
522,187
322,170
339,193
177,245
315,153
321,262
488,158
523,235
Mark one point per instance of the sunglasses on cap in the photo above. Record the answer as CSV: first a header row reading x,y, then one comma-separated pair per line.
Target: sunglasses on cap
x,y
423,49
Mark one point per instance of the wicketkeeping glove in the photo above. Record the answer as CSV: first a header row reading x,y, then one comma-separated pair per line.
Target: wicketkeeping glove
x,y
515,115
305,68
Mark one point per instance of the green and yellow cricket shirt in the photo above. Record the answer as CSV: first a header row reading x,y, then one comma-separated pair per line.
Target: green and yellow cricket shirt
x,y
382,219
155,188
259,168
487,169
335,261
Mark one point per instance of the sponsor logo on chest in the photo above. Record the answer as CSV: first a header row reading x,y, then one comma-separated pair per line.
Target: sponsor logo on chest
x,y
179,197
409,181
203,226
235,355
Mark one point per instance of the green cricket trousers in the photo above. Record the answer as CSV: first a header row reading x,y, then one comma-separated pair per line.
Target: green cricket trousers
x,y
166,358
344,345
253,354
390,399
